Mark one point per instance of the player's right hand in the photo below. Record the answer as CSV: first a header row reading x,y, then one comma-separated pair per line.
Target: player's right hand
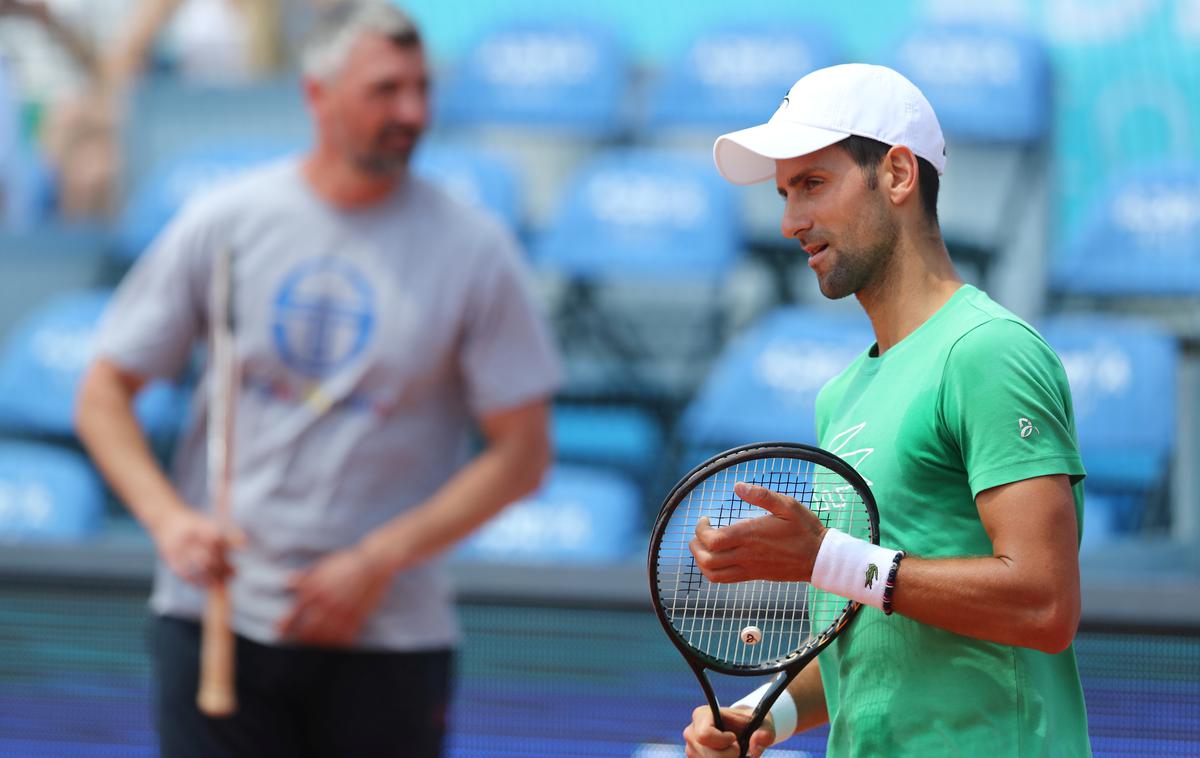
x,y
703,740
194,547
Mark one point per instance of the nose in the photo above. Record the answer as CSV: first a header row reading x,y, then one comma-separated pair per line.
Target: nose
x,y
796,220
411,108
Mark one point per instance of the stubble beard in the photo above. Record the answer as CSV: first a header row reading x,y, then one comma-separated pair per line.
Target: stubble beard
x,y
383,162
862,265
383,165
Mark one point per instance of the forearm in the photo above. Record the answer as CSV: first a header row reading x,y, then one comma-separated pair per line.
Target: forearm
x,y
808,693
80,49
500,474
120,65
110,432
992,598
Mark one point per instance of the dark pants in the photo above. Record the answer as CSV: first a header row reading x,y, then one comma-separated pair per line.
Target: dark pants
x,y
300,702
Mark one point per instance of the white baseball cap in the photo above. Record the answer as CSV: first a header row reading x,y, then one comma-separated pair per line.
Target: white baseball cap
x,y
826,106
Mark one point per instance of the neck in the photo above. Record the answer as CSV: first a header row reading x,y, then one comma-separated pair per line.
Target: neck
x,y
918,281
344,185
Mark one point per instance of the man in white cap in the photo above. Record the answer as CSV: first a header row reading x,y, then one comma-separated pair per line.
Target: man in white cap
x,y
960,419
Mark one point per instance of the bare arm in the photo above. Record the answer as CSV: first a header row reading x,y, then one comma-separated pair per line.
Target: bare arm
x,y
79,48
110,432
121,64
1026,593
188,540
808,693
336,596
515,456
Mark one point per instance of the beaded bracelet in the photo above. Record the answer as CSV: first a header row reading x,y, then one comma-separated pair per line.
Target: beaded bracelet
x,y
890,585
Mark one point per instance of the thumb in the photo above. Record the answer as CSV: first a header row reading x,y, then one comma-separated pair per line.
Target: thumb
x,y
234,537
769,500
762,739
295,579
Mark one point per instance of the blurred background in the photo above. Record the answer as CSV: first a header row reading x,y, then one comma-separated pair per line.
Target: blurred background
x,y
1072,194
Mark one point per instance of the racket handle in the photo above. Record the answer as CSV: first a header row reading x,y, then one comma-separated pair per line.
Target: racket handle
x,y
744,743
216,696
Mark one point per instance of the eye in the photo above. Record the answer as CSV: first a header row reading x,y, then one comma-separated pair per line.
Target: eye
x,y
812,183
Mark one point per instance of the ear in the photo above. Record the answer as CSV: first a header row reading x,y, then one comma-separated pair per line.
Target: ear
x,y
898,175
314,92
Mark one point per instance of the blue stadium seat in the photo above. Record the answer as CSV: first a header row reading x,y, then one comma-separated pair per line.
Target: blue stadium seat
x,y
986,84
566,74
47,493
41,262
170,117
764,384
638,214
991,90
475,177
164,189
42,362
1123,374
580,515
1141,238
624,437
733,76
643,244
543,93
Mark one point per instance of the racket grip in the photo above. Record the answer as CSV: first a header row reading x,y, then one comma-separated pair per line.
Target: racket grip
x,y
744,744
216,696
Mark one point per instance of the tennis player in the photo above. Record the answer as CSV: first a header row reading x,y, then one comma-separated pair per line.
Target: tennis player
x,y
378,324
959,418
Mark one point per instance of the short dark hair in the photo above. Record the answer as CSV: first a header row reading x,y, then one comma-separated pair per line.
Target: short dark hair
x,y
868,153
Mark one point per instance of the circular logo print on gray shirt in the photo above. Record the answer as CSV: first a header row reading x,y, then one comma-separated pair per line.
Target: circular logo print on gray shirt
x,y
324,314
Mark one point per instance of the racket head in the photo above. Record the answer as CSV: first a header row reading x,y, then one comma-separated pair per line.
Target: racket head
x,y
795,620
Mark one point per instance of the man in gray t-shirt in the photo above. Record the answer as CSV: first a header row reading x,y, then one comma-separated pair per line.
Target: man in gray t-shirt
x,y
378,323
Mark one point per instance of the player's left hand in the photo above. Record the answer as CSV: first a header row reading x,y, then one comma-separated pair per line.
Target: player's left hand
x,y
334,598
781,546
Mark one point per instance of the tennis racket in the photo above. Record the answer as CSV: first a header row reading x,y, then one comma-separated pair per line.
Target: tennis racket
x,y
756,627
216,696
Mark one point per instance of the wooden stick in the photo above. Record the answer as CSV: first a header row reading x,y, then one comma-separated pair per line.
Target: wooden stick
x,y
216,696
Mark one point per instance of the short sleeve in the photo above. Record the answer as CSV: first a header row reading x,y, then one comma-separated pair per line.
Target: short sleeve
x,y
508,356
1006,405
159,308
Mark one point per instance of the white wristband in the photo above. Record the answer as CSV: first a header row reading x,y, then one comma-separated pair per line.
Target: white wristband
x,y
783,712
852,568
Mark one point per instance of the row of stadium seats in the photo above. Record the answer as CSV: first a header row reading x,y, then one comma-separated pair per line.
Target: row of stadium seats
x,y
642,252
668,213
594,506
543,96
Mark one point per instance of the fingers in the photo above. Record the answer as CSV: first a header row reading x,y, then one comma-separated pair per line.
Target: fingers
x,y
778,505
711,549
760,741
316,618
199,552
234,538
315,625
703,740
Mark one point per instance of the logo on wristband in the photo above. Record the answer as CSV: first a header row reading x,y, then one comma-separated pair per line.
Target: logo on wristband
x,y
872,575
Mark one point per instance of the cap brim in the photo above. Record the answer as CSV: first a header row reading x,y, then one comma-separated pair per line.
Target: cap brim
x,y
748,156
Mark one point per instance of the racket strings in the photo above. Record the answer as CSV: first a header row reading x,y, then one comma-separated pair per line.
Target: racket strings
x,y
711,617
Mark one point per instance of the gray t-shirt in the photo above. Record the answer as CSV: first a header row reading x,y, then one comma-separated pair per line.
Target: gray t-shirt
x,y
368,341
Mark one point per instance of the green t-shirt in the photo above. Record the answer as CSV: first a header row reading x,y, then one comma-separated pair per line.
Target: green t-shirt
x,y
972,399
